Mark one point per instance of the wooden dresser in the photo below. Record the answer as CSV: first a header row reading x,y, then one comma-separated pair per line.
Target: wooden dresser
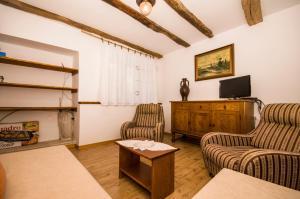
x,y
195,118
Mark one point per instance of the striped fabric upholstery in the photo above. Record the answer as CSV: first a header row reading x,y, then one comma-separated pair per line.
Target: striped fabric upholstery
x,y
279,128
279,167
147,115
225,157
226,139
144,132
148,122
215,145
270,152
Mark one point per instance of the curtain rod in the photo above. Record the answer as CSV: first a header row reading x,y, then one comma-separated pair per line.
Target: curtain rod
x,y
116,44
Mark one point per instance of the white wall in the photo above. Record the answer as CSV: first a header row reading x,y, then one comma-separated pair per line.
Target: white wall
x,y
11,97
96,123
268,51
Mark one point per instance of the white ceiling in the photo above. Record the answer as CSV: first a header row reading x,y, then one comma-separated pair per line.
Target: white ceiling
x,y
218,15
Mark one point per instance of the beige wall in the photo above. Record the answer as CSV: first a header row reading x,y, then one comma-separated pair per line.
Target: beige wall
x,y
268,51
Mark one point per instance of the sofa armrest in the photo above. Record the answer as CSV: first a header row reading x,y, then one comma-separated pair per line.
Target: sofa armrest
x,y
159,132
225,139
124,128
279,167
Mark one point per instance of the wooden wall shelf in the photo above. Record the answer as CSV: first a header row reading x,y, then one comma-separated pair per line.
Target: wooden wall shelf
x,y
70,108
38,145
73,90
20,62
89,102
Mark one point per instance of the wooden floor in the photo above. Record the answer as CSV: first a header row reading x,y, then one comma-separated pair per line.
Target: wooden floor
x,y
102,162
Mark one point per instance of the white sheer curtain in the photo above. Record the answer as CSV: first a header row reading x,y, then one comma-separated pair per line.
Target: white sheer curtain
x,y
126,78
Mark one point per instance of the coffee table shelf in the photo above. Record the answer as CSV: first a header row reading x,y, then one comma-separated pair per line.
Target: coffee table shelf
x,y
140,173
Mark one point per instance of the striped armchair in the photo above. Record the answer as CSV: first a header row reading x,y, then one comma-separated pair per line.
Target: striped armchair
x,y
148,122
270,152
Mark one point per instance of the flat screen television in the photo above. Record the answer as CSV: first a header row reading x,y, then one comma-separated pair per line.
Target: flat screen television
x,y
235,87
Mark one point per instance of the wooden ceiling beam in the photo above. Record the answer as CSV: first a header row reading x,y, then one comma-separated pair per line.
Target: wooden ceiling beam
x,y
178,7
145,21
252,11
50,15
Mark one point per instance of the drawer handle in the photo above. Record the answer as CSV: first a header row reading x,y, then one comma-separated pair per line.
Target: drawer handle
x,y
200,106
225,107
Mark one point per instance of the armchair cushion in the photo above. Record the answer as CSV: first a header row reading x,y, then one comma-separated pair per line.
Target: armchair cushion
x,y
225,157
147,120
279,128
144,132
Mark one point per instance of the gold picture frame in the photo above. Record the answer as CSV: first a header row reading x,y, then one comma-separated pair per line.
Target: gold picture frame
x,y
215,63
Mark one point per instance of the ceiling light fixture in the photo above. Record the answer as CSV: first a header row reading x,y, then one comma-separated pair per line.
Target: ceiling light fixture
x,y
145,6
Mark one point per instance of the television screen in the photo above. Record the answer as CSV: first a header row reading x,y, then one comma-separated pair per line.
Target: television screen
x,y
235,87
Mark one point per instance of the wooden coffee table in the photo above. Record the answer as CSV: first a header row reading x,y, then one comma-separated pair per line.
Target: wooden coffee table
x,y
158,178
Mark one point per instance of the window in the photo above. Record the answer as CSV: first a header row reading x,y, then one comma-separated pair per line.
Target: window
x,y
126,78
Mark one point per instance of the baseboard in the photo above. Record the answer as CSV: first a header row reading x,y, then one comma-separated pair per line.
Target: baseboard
x,y
70,146
86,146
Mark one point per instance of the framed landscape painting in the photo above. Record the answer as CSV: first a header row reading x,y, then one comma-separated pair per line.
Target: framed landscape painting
x,y
215,63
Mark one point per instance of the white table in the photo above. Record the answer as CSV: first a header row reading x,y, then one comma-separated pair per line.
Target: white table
x,y
228,184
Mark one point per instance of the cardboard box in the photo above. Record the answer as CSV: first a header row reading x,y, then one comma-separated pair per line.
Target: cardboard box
x,y
20,126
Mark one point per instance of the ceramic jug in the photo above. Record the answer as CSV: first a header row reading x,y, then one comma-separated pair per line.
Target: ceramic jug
x,y
184,89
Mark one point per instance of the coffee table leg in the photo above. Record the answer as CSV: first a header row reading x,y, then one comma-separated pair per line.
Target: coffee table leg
x,y
162,176
126,159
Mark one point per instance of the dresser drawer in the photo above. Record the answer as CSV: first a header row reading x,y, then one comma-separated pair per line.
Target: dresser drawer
x,y
226,106
200,106
182,105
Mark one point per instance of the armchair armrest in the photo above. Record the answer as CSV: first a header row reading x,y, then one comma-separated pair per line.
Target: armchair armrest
x,y
279,167
159,131
124,127
226,139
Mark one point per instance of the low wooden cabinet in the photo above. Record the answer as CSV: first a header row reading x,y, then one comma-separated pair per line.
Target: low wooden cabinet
x,y
195,118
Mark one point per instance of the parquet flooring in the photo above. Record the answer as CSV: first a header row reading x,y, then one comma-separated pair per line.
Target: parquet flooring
x,y
102,162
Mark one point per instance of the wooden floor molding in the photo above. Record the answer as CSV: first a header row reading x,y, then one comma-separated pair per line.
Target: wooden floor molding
x,y
101,160
86,146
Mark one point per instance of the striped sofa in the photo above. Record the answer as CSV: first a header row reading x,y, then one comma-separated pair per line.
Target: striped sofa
x,y
148,122
270,152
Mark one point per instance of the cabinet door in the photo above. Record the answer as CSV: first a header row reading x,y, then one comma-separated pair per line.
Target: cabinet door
x,y
199,122
226,121
181,120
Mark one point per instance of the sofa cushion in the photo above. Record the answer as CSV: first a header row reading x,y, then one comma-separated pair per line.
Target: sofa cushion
x,y
225,157
48,173
279,128
2,181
